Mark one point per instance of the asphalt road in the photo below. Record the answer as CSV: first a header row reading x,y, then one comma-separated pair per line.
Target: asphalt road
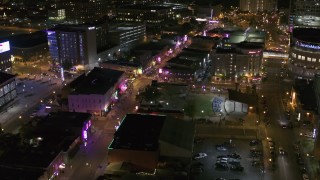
x,y
274,90
90,161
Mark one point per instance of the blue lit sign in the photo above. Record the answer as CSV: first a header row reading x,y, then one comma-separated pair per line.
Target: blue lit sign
x,y
310,46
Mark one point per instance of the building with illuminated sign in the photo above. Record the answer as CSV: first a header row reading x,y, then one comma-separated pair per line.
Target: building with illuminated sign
x,y
97,91
8,90
233,63
304,55
73,46
258,5
5,56
188,65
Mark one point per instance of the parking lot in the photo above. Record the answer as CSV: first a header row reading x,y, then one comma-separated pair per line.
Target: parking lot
x,y
229,159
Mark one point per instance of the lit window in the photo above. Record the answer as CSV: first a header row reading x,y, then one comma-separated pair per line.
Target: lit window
x,y
299,56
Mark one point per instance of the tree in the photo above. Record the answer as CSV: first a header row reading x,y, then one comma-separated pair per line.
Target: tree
x,y
190,109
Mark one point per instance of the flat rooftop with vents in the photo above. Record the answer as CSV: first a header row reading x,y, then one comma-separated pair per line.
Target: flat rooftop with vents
x,y
138,132
98,81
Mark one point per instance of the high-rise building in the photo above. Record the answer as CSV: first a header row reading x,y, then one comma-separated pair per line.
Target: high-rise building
x,y
305,13
73,45
153,15
82,11
258,5
126,33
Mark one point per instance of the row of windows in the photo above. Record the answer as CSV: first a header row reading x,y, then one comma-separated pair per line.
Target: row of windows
x,y
305,58
5,61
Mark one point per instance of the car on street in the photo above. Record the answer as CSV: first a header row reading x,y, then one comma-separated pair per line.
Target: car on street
x,y
254,142
234,156
221,179
305,177
223,166
200,155
221,147
281,151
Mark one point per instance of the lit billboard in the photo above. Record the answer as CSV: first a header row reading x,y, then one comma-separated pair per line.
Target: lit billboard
x,y
4,47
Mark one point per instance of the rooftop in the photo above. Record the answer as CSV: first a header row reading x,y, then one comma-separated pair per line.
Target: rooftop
x,y
179,69
249,45
152,46
138,132
307,34
5,77
178,132
187,54
183,62
65,119
98,81
57,131
122,63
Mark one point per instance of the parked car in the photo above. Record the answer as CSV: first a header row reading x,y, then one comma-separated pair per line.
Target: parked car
x,y
254,142
305,177
234,156
221,147
200,155
223,166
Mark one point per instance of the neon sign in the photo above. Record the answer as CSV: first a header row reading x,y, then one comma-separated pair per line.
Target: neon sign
x,y
4,46
310,46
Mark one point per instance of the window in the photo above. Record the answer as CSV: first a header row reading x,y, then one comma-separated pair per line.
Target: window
x,y
314,60
308,58
299,56
303,58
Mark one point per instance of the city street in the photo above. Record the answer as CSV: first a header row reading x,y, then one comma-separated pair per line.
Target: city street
x,y
90,161
273,89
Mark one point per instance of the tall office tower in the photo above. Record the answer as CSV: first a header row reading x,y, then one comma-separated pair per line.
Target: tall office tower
x,y
71,46
305,13
258,5
82,11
